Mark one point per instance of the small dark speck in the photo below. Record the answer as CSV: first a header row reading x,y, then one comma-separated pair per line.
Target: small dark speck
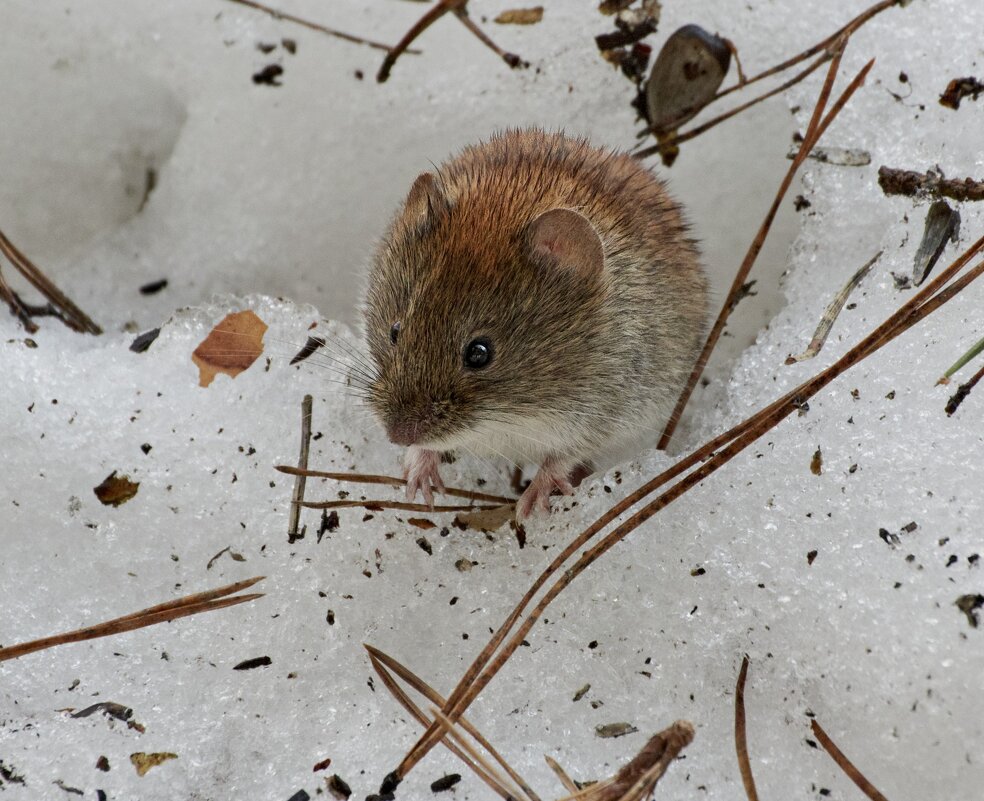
x,y
146,448
445,782
249,664
300,795
153,287
593,644
144,340
810,557
359,75
952,560
269,75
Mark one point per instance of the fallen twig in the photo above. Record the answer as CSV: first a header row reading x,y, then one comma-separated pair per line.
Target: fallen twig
x,y
171,610
931,183
741,739
61,306
314,26
297,499
367,478
962,392
831,312
406,506
845,764
818,124
432,15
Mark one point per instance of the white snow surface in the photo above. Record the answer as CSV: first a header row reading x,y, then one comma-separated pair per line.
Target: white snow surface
x,y
279,191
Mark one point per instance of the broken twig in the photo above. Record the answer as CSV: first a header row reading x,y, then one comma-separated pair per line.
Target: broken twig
x,y
314,26
297,499
741,739
930,183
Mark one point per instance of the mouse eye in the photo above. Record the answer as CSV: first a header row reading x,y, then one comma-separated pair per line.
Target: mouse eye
x,y
478,353
394,332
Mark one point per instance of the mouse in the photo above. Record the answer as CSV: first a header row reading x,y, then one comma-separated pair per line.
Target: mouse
x,y
535,299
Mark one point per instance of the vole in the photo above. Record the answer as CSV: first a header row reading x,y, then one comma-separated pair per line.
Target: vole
x,y
536,299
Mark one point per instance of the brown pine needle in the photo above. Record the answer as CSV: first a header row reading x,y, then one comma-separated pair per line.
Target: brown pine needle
x,y
402,506
711,456
845,764
741,740
392,481
818,124
380,661
832,311
314,26
170,610
64,308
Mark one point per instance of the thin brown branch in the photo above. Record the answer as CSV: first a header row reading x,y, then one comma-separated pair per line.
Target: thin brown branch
x,y
511,59
432,15
404,506
314,26
66,310
297,499
712,455
170,610
962,392
917,184
741,738
367,478
818,124
845,764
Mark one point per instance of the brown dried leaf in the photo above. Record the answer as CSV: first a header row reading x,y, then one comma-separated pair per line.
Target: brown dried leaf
x,y
816,463
144,762
521,16
614,729
116,490
486,520
421,522
231,347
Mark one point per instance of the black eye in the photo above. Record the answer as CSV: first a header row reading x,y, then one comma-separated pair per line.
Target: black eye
x,y
478,354
394,331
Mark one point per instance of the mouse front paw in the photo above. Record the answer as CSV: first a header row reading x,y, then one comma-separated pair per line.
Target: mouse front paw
x,y
420,469
553,476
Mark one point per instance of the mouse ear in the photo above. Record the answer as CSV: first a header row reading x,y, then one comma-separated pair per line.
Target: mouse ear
x,y
566,238
425,197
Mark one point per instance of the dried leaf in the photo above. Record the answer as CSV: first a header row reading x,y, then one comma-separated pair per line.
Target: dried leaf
x,y
958,89
486,520
688,71
421,522
231,347
942,226
614,729
521,16
831,312
116,490
144,762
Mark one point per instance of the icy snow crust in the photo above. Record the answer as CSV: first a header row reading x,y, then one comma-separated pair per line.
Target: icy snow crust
x,y
867,639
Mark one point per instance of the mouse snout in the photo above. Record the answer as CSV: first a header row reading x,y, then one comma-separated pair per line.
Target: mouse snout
x,y
405,432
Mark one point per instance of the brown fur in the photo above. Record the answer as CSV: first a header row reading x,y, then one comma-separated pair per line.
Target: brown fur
x,y
583,361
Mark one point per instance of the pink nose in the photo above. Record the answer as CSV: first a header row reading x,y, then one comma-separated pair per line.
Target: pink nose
x,y
404,432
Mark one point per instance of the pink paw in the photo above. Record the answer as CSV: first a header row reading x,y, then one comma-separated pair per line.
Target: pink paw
x,y
420,469
549,478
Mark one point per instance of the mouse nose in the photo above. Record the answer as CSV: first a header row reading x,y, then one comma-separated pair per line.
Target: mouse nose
x,y
404,432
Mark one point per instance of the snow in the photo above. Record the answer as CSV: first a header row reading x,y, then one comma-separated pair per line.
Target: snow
x,y
278,192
